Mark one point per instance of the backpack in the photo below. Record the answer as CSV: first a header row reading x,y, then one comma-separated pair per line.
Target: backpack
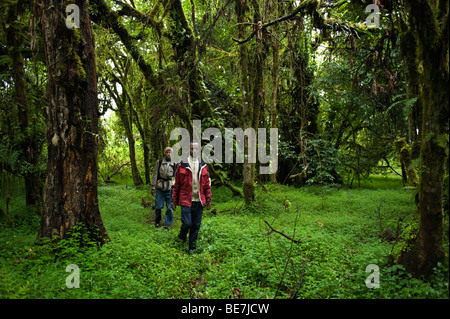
x,y
164,181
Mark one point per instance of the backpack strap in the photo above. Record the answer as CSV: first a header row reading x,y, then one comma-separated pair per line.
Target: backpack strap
x,y
174,166
159,167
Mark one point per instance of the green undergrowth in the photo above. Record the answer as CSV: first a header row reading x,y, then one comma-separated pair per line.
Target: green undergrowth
x,y
321,241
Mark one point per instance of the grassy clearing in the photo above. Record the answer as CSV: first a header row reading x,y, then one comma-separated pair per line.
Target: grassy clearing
x,y
338,231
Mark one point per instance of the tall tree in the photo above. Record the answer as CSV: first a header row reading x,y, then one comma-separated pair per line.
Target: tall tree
x,y
275,81
72,124
248,169
252,63
124,103
180,36
185,54
429,24
29,142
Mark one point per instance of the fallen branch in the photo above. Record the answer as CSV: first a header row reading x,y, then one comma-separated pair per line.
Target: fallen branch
x,y
234,210
282,234
261,184
215,212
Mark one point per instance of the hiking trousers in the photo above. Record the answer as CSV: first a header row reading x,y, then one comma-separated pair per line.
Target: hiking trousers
x,y
161,198
191,219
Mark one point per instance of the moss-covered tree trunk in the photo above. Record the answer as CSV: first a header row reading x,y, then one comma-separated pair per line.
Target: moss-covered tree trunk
x,y
408,172
183,43
30,145
275,79
429,22
252,117
126,117
142,121
124,102
72,125
241,10
408,52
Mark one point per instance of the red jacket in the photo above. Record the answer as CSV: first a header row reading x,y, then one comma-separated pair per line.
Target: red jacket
x,y
182,190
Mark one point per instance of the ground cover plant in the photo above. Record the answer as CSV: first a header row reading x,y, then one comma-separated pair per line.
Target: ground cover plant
x,y
354,96
318,245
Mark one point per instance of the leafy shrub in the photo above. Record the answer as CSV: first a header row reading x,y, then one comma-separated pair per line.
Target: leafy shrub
x,y
323,162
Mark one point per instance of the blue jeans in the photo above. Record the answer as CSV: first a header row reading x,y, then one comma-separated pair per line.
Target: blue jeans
x,y
191,219
162,197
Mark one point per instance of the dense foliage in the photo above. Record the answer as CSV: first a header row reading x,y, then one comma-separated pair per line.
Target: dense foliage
x,y
363,142
339,231
327,79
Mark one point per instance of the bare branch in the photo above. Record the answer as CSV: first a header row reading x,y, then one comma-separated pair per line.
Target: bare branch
x,y
282,234
307,6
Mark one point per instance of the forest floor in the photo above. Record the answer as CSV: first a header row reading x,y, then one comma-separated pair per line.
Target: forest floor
x,y
321,244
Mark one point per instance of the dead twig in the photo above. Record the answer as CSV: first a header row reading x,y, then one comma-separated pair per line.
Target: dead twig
x,y
281,233
215,212
234,210
294,295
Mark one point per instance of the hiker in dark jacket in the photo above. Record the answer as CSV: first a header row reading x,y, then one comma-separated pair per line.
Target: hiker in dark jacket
x,y
162,185
192,191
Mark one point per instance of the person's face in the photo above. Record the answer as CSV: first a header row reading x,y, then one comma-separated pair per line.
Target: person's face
x,y
194,149
168,154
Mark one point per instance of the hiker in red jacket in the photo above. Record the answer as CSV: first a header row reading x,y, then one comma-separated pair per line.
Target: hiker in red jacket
x,y
192,191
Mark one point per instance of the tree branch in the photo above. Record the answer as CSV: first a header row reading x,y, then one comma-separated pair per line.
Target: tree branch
x,y
110,18
282,234
127,10
307,6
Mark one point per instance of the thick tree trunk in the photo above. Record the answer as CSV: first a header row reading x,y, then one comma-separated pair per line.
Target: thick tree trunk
x,y
432,38
72,125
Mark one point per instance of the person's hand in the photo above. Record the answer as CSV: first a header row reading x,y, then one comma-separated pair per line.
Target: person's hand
x,y
208,205
153,192
173,205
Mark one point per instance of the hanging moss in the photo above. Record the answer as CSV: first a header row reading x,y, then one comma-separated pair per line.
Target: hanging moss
x,y
71,71
404,151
